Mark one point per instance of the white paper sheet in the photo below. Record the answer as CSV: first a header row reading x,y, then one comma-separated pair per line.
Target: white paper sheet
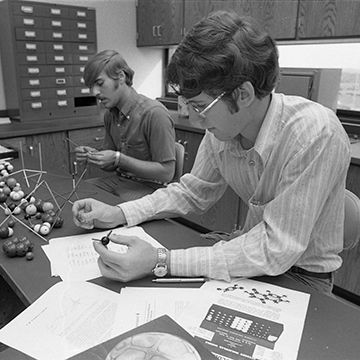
x,y
73,258
145,304
68,319
256,319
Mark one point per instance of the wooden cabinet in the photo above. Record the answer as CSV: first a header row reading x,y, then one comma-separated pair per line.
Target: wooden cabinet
x,y
159,22
52,148
284,19
348,276
277,17
328,19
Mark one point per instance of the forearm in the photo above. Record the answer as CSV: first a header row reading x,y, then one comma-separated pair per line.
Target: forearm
x,y
151,170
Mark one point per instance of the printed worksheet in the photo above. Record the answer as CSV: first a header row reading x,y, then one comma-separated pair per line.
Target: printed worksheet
x,y
73,258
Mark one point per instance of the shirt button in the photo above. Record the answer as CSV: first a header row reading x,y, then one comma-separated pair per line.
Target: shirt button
x,y
251,162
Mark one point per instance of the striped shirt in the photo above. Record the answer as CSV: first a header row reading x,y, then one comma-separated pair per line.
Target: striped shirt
x,y
293,181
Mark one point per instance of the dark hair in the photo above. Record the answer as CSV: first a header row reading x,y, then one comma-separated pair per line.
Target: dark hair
x,y
220,53
112,63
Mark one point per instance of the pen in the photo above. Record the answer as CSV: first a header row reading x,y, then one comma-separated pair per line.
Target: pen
x,y
182,280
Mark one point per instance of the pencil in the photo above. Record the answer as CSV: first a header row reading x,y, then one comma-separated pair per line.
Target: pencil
x,y
179,280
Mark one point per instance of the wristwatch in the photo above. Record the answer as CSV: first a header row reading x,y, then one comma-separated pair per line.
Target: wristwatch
x,y
161,268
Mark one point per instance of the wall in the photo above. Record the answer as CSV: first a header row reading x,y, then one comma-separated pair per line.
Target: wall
x,y
116,29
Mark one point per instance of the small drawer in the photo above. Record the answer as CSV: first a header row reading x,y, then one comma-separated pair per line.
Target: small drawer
x,y
56,11
34,94
35,105
31,59
28,8
58,59
53,35
78,25
26,22
33,70
29,34
56,104
58,47
82,14
83,48
83,36
81,58
30,47
57,24
82,91
60,93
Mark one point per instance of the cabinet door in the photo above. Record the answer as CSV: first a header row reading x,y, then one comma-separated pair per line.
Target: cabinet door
x,y
195,10
92,137
159,22
51,149
328,18
277,17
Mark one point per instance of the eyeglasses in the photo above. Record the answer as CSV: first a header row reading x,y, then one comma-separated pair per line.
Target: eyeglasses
x,y
207,108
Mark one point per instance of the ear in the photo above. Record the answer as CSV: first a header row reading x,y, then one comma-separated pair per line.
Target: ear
x,y
246,94
122,77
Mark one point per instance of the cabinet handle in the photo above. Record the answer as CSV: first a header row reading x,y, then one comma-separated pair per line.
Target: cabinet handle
x,y
31,150
154,29
159,31
98,138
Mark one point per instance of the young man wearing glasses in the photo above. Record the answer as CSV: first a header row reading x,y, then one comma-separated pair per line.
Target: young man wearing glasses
x,y
285,156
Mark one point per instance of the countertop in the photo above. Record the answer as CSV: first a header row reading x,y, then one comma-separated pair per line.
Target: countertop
x,y
17,128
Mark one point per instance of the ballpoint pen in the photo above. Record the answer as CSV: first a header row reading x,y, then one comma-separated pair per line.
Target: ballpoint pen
x,y
179,280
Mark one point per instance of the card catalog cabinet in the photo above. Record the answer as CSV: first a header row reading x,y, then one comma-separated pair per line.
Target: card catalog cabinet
x,y
44,48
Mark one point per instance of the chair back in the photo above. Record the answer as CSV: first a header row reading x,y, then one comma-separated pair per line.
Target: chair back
x,y
352,220
179,166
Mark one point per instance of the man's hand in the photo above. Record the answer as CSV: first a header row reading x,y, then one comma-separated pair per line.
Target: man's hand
x,y
136,263
90,213
82,152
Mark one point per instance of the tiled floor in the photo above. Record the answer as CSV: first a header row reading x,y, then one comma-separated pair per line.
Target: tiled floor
x,y
10,306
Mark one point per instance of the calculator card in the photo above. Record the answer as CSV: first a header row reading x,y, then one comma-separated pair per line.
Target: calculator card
x,y
230,332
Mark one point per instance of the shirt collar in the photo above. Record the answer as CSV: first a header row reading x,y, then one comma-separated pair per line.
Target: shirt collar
x,y
128,106
270,128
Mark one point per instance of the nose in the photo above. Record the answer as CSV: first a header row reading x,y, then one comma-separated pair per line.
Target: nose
x,y
95,90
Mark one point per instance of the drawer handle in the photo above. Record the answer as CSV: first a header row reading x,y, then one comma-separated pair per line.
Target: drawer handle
x,y
55,12
57,35
81,14
30,46
56,23
33,71
37,105
60,81
58,47
29,22
62,103
97,138
30,34
59,70
27,9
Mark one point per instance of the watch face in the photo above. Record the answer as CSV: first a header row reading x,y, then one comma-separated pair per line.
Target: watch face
x,y
160,270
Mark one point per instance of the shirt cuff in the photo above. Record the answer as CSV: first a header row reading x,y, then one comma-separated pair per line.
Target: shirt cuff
x,y
199,261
